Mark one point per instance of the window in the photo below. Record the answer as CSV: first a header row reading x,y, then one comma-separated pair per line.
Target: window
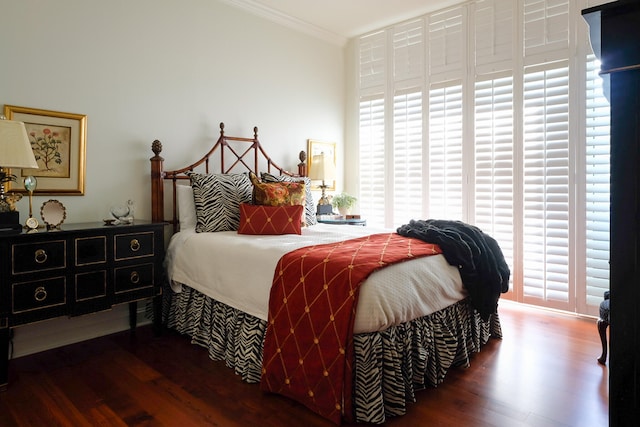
x,y
597,186
494,161
445,153
546,186
474,113
372,158
407,157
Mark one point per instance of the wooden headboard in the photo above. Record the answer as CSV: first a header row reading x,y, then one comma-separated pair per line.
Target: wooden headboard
x,y
236,154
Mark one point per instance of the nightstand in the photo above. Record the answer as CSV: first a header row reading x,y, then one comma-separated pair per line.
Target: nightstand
x,y
80,269
351,221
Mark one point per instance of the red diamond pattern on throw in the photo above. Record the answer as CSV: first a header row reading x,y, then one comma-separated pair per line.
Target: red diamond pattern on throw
x,y
308,344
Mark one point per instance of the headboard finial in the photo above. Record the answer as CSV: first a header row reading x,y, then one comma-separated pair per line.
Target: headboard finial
x,y
156,147
221,128
302,166
255,132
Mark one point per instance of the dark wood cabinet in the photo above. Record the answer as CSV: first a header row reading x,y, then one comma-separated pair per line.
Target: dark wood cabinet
x,y
80,269
614,35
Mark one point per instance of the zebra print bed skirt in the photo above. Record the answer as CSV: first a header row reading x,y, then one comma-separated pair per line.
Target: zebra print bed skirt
x,y
390,366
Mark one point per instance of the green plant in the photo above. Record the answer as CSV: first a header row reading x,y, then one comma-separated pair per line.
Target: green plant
x,y
343,200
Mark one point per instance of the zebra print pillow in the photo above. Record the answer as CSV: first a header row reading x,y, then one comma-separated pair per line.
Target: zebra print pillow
x,y
217,198
309,206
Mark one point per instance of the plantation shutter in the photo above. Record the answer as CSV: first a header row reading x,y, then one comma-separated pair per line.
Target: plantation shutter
x,y
597,186
494,161
494,28
372,61
406,145
372,78
407,157
408,52
445,152
464,114
447,50
546,29
372,161
493,208
546,186
447,41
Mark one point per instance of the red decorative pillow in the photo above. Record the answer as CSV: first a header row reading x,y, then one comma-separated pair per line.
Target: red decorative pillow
x,y
261,219
278,193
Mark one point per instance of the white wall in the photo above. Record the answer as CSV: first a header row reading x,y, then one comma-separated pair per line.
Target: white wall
x,y
146,69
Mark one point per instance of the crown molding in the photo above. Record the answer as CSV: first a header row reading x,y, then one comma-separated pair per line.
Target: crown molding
x,y
273,15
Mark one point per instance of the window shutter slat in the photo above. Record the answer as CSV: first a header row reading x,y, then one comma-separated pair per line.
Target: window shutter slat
x,y
407,157
372,60
372,160
597,181
494,161
446,44
546,26
493,35
445,152
408,51
546,186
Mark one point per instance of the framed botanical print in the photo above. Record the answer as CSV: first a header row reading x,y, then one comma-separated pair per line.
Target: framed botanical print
x,y
58,141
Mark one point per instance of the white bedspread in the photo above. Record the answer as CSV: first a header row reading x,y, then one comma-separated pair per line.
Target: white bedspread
x,y
237,270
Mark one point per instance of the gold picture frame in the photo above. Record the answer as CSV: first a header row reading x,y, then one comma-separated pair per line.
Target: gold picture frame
x,y
59,143
315,147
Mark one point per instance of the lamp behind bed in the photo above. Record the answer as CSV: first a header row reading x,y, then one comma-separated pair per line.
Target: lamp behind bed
x,y
323,169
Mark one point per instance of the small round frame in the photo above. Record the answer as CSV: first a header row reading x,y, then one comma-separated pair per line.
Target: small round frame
x,y
53,214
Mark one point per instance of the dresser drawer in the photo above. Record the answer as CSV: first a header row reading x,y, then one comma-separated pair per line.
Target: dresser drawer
x,y
39,256
91,285
38,295
133,245
90,250
133,277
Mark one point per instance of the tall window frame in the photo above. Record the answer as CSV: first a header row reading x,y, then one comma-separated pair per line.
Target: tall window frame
x,y
492,83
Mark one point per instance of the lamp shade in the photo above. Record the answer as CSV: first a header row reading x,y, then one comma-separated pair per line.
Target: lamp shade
x,y
15,148
322,168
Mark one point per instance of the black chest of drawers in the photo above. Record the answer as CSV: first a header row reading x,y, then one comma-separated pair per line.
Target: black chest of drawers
x,y
80,269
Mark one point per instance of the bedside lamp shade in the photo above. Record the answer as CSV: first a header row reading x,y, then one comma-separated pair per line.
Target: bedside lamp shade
x,y
15,148
15,152
322,169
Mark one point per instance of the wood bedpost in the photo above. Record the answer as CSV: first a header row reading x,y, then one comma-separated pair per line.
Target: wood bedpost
x,y
157,183
302,166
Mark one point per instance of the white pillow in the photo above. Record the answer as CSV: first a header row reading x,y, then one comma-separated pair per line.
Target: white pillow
x,y
186,207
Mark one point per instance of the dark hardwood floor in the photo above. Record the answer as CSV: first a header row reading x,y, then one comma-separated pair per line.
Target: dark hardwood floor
x,y
542,373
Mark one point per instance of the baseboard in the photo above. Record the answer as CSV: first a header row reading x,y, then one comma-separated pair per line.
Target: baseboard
x,y
62,331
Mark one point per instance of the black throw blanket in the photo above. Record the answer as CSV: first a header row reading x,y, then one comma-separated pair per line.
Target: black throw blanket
x,y
484,272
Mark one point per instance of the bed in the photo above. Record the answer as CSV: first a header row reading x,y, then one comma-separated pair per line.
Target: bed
x,y
414,318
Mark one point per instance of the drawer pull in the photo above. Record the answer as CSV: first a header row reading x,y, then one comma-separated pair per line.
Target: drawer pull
x,y
40,294
134,277
134,244
40,256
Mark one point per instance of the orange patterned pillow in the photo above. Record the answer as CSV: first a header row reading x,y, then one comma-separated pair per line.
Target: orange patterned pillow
x,y
277,193
261,219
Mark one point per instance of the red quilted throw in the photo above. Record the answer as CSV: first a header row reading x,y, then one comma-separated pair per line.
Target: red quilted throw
x,y
308,344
